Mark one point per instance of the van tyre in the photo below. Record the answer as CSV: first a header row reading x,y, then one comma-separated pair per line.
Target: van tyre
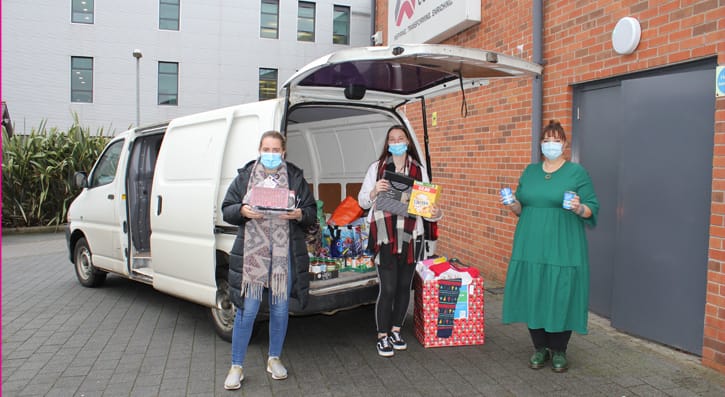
x,y
87,274
222,316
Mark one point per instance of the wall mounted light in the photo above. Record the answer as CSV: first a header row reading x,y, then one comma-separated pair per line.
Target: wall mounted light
x,y
626,35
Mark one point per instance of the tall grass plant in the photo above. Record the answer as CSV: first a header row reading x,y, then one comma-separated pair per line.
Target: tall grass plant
x,y
37,172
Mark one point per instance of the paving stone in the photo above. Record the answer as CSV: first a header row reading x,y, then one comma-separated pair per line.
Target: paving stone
x,y
126,339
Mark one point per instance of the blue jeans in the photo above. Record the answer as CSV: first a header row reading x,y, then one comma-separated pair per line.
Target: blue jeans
x,y
244,322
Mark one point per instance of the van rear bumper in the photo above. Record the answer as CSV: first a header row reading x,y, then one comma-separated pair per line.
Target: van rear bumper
x,y
332,303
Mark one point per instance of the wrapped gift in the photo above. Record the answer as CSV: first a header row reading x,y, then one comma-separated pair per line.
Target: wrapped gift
x,y
263,198
447,313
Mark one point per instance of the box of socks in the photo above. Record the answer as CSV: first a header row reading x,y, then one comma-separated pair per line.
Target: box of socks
x,y
449,312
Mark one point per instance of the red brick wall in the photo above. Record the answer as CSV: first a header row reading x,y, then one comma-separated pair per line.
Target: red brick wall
x,y
474,156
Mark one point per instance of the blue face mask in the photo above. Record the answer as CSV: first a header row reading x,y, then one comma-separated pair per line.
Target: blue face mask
x,y
552,150
398,149
271,160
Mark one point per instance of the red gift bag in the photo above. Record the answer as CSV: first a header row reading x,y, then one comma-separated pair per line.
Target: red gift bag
x,y
431,321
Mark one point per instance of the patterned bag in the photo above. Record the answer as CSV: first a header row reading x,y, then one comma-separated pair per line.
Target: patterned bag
x,y
396,199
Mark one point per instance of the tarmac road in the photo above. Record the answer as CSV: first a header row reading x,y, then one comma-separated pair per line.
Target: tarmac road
x,y
126,339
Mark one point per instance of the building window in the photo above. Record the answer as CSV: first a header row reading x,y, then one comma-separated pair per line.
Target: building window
x,y
82,11
306,21
168,83
341,25
267,84
269,23
81,79
169,14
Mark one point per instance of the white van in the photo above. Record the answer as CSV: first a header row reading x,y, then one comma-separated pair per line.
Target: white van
x,y
150,210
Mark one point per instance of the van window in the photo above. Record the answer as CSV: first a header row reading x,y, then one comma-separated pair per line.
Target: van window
x,y
105,170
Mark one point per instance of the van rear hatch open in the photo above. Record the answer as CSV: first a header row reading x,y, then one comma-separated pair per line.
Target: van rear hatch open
x,y
390,76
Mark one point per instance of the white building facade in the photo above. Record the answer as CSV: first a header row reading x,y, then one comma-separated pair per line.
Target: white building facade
x,y
66,57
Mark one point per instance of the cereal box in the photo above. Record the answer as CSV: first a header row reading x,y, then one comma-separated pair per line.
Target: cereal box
x,y
422,197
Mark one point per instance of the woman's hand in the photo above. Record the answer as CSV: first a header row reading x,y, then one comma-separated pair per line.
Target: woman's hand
x,y
382,185
248,212
577,207
435,212
295,214
515,207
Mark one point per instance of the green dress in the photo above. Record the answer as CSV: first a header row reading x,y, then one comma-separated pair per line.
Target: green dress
x,y
547,282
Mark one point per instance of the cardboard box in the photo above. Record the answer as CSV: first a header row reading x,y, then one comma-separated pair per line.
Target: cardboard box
x,y
431,324
422,198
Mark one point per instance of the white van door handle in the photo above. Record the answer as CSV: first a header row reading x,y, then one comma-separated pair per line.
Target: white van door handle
x,y
110,197
158,205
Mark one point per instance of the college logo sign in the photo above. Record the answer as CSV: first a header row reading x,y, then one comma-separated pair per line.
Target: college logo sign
x,y
430,21
404,8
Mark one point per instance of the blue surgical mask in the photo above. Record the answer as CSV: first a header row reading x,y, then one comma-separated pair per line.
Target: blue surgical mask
x,y
271,160
398,149
552,150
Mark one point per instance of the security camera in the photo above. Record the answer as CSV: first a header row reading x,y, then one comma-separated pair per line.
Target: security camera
x,y
377,38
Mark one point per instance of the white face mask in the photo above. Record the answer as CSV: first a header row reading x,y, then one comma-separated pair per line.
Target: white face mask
x,y
552,150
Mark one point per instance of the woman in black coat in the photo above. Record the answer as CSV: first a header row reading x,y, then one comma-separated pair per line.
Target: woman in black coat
x,y
269,252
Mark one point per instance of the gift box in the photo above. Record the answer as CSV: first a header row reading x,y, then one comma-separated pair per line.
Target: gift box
x,y
447,313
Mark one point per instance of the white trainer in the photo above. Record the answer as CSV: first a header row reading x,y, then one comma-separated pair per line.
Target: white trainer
x,y
275,367
234,378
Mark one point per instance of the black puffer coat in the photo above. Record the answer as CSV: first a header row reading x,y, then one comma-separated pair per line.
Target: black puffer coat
x,y
231,208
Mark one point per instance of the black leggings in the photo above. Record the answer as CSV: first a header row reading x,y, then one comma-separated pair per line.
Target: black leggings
x,y
556,341
396,277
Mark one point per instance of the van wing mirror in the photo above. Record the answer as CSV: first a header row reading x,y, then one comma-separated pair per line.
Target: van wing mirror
x,y
80,179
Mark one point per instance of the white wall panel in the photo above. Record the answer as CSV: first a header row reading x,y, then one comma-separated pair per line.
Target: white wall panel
x,y
217,47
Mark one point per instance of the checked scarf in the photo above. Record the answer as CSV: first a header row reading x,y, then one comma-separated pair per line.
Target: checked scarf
x,y
266,246
392,229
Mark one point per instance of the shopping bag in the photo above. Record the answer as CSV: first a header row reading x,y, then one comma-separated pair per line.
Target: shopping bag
x,y
396,199
345,213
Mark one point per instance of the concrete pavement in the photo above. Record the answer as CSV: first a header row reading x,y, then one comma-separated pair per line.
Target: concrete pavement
x,y
126,339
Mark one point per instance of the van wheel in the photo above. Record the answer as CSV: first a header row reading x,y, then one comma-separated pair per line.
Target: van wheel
x,y
222,316
87,274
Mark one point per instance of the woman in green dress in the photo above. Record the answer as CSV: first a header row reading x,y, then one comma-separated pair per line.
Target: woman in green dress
x,y
547,282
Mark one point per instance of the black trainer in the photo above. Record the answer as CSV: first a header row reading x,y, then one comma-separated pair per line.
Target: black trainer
x,y
385,349
397,341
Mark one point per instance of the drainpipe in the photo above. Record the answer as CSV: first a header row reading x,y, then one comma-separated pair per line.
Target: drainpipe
x,y
537,95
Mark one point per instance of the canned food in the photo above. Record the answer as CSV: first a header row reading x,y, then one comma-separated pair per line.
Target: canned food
x,y
507,196
568,196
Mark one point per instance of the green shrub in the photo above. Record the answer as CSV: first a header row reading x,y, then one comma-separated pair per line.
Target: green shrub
x,y
37,172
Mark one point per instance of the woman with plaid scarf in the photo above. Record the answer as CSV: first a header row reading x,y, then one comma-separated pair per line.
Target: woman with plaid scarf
x,y
395,240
